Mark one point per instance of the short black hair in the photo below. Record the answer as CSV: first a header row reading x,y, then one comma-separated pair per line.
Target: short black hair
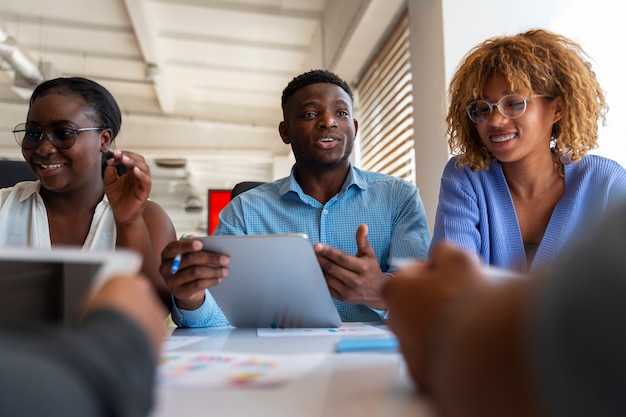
x,y
97,99
315,76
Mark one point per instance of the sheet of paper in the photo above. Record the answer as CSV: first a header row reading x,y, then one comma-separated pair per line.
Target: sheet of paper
x,y
175,342
346,330
227,370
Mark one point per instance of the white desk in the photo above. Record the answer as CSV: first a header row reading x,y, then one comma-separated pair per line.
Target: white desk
x,y
368,384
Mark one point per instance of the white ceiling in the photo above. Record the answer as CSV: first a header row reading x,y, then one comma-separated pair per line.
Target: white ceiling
x,y
196,79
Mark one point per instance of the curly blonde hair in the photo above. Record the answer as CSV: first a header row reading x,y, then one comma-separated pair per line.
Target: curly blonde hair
x,y
533,62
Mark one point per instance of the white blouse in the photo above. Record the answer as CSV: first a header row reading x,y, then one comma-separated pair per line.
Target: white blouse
x,y
24,220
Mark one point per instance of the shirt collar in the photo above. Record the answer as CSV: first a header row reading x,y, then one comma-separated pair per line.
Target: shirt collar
x,y
29,189
355,177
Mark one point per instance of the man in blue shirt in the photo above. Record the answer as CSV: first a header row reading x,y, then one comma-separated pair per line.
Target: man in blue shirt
x,y
363,224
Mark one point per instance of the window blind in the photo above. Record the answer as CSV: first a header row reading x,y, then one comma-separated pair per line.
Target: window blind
x,y
385,108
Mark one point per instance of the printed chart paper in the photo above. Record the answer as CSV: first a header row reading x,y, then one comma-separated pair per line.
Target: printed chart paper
x,y
232,370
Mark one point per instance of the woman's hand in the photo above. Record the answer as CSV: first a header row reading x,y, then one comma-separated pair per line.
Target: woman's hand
x,y
128,193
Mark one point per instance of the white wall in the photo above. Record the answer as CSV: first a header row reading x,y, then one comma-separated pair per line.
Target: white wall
x,y
598,26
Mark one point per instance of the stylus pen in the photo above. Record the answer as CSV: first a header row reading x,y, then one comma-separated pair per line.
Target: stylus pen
x,y
176,263
177,258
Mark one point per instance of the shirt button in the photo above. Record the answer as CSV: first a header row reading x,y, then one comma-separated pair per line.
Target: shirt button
x,y
325,211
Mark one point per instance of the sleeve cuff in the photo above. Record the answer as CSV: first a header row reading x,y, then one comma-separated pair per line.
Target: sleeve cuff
x,y
207,315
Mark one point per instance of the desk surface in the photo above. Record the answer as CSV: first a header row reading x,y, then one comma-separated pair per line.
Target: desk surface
x,y
344,384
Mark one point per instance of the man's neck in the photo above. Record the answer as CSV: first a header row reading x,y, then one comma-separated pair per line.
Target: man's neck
x,y
322,184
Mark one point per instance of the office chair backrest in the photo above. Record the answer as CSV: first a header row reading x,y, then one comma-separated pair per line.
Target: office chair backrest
x,y
243,187
12,172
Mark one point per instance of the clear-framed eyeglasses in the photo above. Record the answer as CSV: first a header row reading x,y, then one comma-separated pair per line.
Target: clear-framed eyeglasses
x,y
510,106
61,134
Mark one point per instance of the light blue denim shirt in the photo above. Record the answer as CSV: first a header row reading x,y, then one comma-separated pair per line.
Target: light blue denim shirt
x,y
390,207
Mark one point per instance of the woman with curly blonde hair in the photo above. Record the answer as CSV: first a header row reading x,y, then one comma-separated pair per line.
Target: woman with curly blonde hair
x,y
523,114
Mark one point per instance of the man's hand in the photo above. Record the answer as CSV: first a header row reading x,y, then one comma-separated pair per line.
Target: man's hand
x,y
198,271
353,279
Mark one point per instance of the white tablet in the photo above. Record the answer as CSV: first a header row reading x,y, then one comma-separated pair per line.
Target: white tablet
x,y
274,281
51,285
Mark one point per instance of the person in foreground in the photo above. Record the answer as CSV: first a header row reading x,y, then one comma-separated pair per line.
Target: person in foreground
x,y
359,222
79,198
102,365
548,345
524,112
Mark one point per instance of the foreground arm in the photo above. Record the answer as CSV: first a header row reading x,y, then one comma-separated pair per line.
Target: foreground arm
x,y
464,341
101,366
541,346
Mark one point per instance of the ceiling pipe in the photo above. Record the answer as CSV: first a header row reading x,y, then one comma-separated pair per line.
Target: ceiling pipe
x,y
25,68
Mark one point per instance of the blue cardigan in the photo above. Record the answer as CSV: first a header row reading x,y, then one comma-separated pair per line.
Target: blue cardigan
x,y
476,211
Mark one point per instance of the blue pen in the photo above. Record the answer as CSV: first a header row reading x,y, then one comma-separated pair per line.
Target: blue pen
x,y
176,263
177,258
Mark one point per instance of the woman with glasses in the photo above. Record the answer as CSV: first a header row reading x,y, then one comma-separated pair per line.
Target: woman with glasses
x,y
85,194
523,114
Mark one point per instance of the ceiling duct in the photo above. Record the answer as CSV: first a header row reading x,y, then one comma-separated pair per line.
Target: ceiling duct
x,y
25,68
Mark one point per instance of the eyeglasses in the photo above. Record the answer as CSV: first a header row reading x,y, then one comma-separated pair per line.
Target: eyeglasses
x,y
61,134
510,106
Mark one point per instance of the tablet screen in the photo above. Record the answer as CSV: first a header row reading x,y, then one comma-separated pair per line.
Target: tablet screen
x,y
31,291
51,286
